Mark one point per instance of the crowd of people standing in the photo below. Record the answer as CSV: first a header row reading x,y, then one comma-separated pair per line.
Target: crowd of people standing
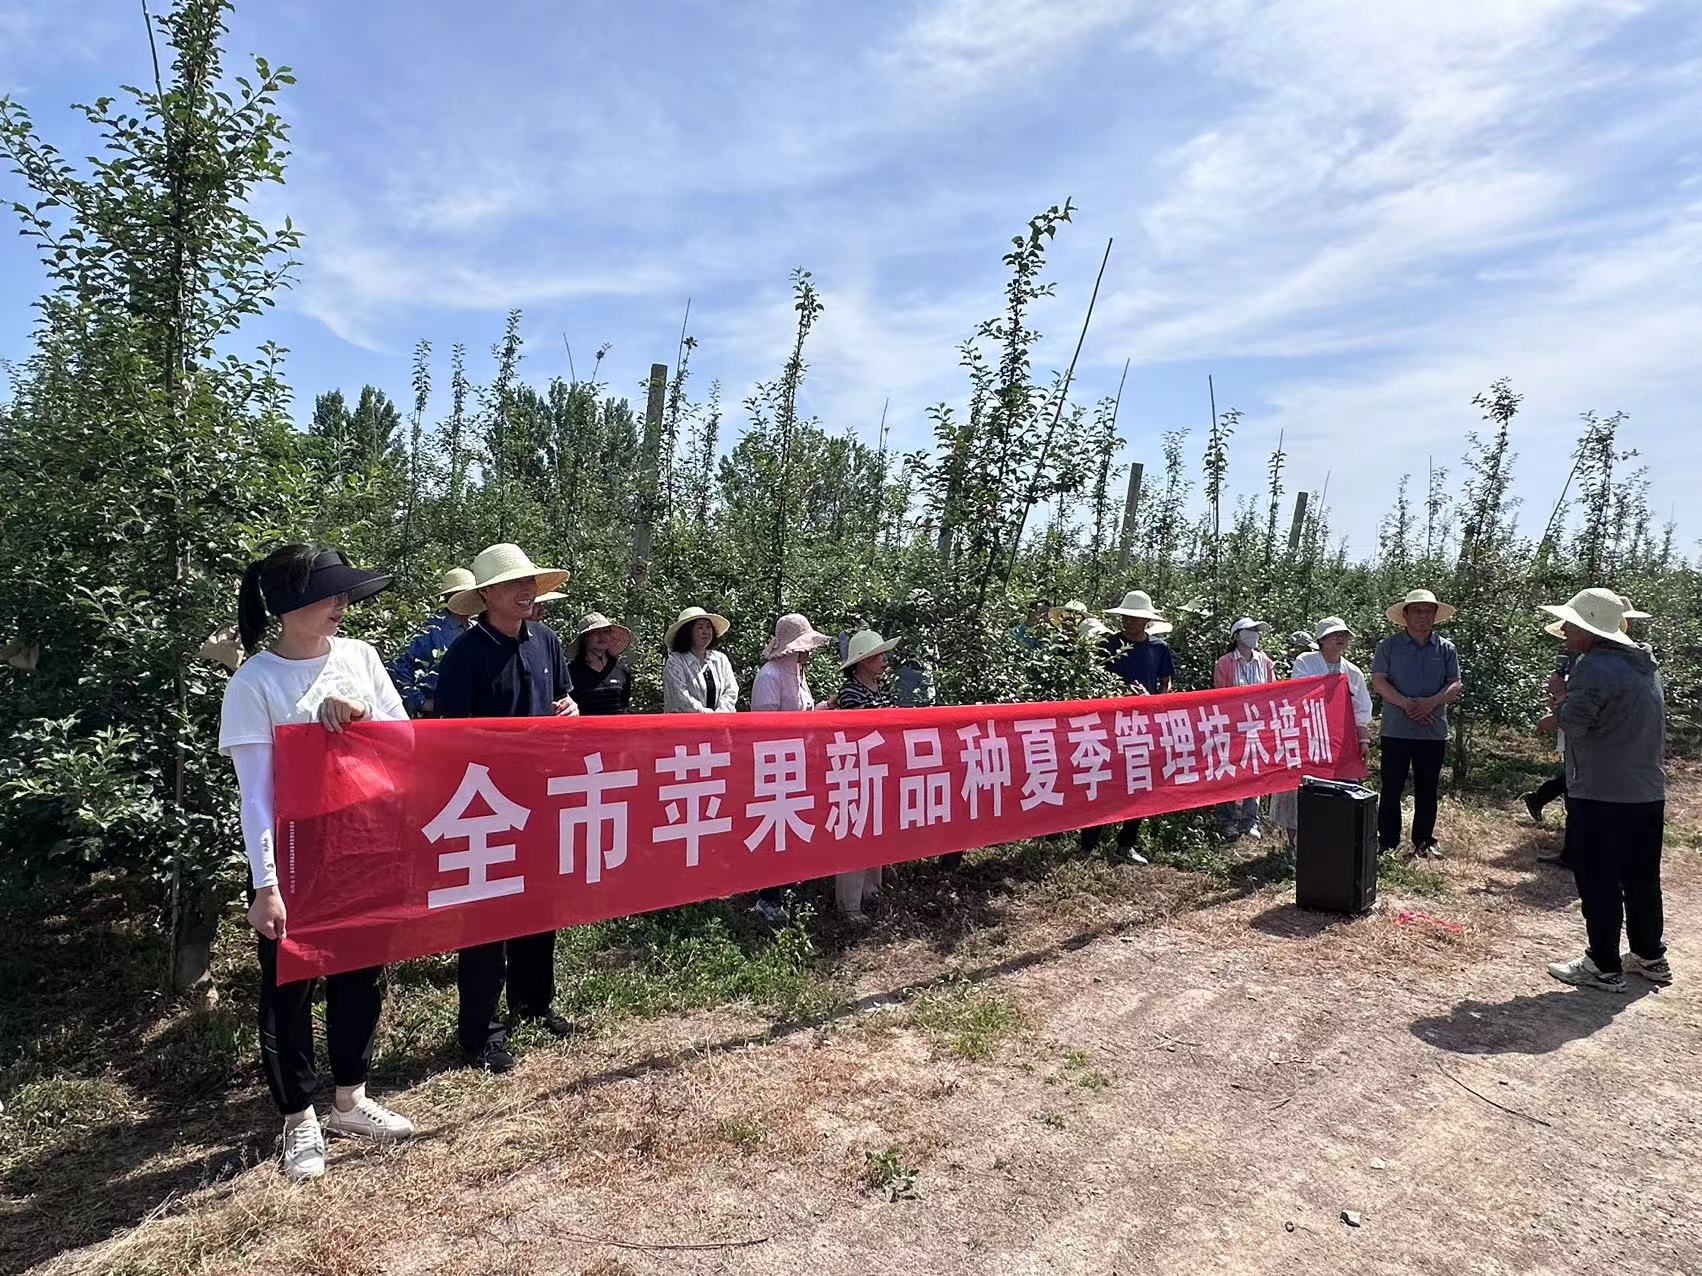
x,y
487,652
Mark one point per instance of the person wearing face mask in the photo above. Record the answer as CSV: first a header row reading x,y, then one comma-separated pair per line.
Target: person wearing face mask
x,y
1243,665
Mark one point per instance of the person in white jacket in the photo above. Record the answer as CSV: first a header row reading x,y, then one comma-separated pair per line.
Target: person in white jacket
x,y
696,677
1333,638
308,674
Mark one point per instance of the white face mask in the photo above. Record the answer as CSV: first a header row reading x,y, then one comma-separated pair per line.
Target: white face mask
x,y
1248,639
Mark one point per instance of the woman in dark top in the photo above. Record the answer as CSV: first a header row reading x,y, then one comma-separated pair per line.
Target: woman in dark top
x,y
865,663
602,684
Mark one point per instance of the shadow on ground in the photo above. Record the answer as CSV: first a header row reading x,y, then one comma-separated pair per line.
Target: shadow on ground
x,y
1538,1024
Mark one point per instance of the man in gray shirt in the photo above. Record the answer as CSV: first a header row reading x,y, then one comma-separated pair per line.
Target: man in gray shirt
x,y
1614,717
1417,674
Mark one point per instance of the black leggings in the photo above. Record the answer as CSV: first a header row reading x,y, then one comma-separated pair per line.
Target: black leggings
x,y
352,1002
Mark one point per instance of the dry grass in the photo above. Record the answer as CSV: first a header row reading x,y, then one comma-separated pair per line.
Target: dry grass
x,y
658,1103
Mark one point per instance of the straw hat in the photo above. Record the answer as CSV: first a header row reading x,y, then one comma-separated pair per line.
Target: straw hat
x,y
1332,625
222,647
1597,611
1136,603
453,581
497,565
722,624
794,635
1397,612
1073,610
866,643
1093,628
1247,622
1631,613
595,620
554,596
1158,628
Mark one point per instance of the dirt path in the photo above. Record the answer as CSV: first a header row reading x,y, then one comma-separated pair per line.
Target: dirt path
x,y
1203,1094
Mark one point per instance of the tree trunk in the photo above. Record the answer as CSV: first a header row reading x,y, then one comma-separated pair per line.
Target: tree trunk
x,y
192,949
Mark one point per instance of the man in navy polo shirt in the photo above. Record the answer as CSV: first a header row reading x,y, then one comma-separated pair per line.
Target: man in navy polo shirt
x,y
1143,662
506,666
1417,673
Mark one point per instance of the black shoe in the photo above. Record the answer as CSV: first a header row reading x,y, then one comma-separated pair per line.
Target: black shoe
x,y
1555,861
1533,806
554,1024
492,1057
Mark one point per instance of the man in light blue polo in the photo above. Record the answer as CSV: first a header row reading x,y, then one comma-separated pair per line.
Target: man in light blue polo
x,y
1417,674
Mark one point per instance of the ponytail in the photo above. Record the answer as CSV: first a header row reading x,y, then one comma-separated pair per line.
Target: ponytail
x,y
291,562
250,610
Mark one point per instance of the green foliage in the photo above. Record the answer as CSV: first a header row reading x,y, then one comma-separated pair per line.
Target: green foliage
x,y
889,1175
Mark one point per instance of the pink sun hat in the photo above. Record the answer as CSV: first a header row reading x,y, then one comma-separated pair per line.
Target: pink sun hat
x,y
794,635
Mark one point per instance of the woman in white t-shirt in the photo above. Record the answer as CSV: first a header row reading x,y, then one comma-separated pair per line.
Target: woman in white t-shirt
x,y
308,674
1333,638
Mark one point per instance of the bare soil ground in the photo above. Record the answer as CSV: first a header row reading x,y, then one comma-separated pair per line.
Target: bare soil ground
x,y
1180,1078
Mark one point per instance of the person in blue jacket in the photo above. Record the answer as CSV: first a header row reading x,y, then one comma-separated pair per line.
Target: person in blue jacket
x,y
415,671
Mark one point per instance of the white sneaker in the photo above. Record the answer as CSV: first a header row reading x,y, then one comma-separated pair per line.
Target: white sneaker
x,y
369,1119
1255,832
1584,972
304,1150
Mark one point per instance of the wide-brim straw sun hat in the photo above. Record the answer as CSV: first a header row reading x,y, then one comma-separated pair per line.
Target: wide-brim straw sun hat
x,y
1136,603
1332,625
499,564
1158,628
554,596
1397,611
1247,622
591,622
794,635
1631,613
1092,627
1597,611
690,614
1074,610
865,643
453,581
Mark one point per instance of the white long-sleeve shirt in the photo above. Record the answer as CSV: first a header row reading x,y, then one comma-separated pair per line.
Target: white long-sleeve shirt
x,y
686,690
268,692
1311,664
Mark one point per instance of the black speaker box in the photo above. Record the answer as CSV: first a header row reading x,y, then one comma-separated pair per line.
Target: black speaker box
x,y
1335,859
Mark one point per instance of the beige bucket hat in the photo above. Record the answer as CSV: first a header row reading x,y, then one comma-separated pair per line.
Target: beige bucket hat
x,y
794,635
1331,625
865,643
497,565
595,620
1092,629
1599,611
1397,611
1136,603
690,614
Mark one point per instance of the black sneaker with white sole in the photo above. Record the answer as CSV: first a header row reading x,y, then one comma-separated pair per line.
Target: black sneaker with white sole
x,y
493,1057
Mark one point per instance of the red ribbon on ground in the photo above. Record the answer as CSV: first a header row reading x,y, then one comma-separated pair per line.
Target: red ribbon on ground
x,y
399,839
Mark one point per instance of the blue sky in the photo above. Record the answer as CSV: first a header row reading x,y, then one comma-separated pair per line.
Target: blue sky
x,y
1355,216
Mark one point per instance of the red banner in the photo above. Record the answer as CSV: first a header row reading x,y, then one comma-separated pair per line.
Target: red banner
x,y
398,839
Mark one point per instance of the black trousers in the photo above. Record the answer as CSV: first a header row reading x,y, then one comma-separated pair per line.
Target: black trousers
x,y
1423,758
352,1003
1614,849
1549,789
1128,835
527,964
